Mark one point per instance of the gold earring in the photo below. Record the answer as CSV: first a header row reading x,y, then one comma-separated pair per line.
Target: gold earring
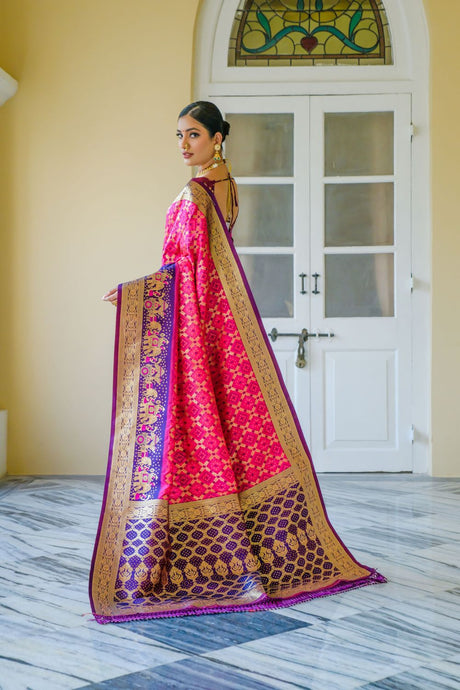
x,y
217,156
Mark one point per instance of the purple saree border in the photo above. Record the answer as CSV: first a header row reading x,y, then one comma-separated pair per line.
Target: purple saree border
x,y
211,195
171,333
171,362
263,604
111,442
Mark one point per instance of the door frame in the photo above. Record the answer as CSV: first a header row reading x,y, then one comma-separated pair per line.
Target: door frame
x,y
409,74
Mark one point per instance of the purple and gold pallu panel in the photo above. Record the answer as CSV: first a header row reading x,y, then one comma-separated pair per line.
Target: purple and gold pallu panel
x,y
144,351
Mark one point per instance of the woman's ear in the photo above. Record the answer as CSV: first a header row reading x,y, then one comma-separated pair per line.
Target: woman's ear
x,y
218,138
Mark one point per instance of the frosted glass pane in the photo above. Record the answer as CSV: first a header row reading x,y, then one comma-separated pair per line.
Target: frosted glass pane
x,y
359,214
265,216
359,285
271,280
358,143
261,144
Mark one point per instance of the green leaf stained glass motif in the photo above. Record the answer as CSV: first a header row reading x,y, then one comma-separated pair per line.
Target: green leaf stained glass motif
x,y
298,32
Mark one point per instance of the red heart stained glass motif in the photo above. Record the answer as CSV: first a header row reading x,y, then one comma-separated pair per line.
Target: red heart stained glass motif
x,y
309,43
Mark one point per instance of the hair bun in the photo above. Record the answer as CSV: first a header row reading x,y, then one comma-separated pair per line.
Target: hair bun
x,y
225,128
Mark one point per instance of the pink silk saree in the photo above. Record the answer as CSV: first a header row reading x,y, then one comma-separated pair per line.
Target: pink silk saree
x,y
211,502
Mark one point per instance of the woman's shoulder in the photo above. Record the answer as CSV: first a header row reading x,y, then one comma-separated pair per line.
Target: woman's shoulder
x,y
195,191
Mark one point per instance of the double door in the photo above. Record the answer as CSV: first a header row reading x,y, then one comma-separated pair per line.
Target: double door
x,y
324,237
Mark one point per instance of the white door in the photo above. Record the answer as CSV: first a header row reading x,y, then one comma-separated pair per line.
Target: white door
x,y
324,237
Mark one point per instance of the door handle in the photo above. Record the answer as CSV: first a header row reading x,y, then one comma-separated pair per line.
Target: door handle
x,y
315,276
302,277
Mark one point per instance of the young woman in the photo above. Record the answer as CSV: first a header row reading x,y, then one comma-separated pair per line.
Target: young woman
x,y
211,501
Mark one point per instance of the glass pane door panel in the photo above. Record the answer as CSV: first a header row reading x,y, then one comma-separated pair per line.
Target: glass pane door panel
x,y
266,216
261,144
359,214
358,143
271,279
359,285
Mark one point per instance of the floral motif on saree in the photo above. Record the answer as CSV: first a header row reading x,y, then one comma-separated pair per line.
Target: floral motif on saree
x,y
211,501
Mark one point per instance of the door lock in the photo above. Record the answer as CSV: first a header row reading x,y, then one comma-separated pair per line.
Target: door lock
x,y
303,336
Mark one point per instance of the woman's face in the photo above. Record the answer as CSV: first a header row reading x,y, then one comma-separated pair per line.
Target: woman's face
x,y
195,143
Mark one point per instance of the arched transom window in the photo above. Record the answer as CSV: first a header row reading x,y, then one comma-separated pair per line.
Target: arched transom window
x,y
283,33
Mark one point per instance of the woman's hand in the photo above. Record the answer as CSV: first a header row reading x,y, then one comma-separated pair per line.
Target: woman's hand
x,y
111,296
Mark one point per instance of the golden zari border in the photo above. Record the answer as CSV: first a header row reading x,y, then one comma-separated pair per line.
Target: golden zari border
x,y
118,490
211,507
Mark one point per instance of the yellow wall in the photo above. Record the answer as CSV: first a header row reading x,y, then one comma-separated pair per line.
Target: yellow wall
x,y
445,153
3,240
89,146
87,169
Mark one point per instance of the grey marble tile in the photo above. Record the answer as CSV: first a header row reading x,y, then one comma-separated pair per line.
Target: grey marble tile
x,y
346,652
444,527
86,653
412,570
390,594
405,631
195,634
190,674
317,659
15,675
441,675
47,611
351,603
381,540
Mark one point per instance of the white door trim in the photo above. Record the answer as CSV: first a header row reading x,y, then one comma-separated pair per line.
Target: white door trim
x,y
409,74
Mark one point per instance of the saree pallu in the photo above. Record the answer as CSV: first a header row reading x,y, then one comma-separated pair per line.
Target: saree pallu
x,y
211,502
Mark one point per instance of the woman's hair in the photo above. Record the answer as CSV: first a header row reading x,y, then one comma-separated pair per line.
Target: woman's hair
x,y
208,115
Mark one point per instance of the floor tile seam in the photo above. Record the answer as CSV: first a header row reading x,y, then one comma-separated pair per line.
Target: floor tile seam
x,y
240,644
336,627
394,676
402,540
403,669
42,668
242,673
247,672
147,643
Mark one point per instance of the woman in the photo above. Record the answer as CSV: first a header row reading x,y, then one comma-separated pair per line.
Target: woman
x,y
211,502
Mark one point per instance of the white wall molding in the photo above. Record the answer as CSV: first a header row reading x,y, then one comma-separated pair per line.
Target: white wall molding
x,y
8,86
213,76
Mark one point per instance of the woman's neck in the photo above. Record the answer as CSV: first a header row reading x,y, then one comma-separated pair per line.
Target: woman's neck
x,y
213,169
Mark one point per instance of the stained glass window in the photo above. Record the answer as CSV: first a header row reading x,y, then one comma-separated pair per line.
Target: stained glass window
x,y
284,33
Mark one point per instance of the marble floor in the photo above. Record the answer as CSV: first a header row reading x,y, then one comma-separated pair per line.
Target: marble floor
x,y
397,636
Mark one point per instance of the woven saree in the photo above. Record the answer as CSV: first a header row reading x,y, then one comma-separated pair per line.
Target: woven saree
x,y
211,502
